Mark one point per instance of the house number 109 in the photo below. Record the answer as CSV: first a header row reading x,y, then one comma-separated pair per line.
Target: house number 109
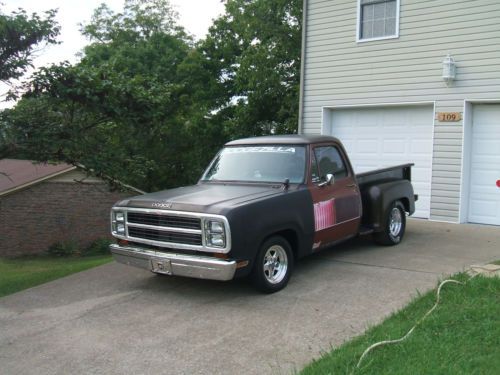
x,y
449,116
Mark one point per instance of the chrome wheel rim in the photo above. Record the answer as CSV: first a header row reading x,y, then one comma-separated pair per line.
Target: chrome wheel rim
x,y
275,264
395,222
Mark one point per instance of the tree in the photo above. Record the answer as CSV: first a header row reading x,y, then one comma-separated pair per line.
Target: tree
x,y
257,45
124,109
148,106
20,34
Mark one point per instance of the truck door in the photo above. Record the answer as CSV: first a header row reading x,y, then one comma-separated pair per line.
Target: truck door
x,y
337,205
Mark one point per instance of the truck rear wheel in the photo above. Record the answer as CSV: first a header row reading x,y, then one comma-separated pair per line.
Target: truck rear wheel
x,y
394,227
273,265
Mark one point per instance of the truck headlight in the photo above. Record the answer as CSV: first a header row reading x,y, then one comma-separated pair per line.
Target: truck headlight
x,y
217,240
118,223
215,233
216,226
119,216
120,228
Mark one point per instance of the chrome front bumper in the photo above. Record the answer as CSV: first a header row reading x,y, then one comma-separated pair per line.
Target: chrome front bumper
x,y
199,267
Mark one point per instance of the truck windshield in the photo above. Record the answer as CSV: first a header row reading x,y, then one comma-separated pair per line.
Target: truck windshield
x,y
258,164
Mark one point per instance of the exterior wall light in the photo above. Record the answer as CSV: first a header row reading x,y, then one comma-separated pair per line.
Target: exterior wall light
x,y
449,70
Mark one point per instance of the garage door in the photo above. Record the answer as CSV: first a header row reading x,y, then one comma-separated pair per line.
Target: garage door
x,y
386,136
484,199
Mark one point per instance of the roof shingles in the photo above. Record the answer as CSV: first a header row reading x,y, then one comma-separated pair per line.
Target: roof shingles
x,y
17,173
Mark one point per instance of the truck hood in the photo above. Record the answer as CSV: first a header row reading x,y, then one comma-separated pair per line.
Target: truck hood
x,y
207,198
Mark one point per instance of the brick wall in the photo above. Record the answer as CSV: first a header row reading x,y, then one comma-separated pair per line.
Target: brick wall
x,y
34,218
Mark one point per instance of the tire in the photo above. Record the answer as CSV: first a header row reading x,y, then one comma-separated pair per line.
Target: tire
x,y
273,265
395,225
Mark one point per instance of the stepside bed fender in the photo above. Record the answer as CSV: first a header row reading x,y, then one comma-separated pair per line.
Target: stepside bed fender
x,y
378,197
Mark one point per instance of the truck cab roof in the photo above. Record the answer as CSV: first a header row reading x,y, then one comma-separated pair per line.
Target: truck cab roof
x,y
292,139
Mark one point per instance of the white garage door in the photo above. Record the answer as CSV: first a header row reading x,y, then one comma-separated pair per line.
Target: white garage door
x,y
484,199
386,136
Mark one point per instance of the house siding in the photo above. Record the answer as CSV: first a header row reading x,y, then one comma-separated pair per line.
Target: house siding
x,y
339,71
49,212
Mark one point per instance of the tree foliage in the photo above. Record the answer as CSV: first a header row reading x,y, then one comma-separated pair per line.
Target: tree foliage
x,y
258,46
149,106
20,34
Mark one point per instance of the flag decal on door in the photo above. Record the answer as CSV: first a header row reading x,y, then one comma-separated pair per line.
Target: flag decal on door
x,y
324,214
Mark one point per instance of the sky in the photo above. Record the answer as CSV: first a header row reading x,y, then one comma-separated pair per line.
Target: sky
x,y
195,15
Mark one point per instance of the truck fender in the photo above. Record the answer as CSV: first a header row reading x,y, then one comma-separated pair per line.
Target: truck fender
x,y
377,199
289,231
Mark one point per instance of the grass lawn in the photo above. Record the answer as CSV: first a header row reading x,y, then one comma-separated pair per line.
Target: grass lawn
x,y
22,273
462,336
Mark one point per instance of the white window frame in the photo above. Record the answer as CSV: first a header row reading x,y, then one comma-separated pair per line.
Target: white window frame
x,y
358,26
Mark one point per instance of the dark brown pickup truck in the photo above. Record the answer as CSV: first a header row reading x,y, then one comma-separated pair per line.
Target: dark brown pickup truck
x,y
262,204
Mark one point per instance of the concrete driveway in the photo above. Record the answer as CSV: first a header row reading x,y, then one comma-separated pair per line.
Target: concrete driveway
x,y
117,319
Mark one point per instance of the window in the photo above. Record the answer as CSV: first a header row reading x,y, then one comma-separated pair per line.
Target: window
x,y
378,19
266,163
327,161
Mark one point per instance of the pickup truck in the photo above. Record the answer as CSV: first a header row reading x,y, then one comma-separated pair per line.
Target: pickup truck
x,y
262,204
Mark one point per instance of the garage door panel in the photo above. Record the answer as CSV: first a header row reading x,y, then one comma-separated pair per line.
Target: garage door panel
x,y
484,147
484,209
484,180
484,194
420,175
394,146
366,146
421,147
382,137
420,186
482,160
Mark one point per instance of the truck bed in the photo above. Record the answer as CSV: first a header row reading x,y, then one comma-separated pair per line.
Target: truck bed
x,y
398,172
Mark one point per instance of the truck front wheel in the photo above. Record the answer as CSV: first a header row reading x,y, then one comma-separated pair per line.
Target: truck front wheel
x,y
273,265
394,227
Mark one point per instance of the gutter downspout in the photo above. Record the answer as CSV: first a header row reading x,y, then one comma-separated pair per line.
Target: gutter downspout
x,y
302,68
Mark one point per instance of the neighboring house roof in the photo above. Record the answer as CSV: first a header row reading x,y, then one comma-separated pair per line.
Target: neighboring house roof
x,y
16,174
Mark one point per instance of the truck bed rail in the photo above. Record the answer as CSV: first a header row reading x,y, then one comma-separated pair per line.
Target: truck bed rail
x,y
397,172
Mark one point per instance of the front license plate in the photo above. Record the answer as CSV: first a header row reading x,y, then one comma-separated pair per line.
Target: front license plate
x,y
161,266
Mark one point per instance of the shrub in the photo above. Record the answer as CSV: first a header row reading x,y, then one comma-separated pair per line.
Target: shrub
x,y
64,248
98,247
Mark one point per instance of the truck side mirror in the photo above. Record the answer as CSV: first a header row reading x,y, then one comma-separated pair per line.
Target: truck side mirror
x,y
330,180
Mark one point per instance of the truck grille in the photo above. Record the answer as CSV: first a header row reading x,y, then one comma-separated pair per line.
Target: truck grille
x,y
162,236
163,228
164,220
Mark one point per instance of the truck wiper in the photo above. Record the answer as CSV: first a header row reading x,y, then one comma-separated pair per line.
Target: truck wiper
x,y
286,184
